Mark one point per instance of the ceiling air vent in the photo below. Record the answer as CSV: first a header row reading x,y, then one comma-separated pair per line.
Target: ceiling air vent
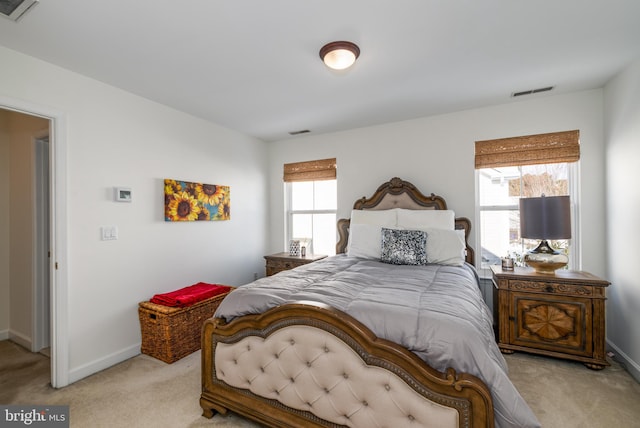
x,y
302,131
15,9
531,91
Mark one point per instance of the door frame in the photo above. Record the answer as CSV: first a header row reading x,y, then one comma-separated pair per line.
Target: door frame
x,y
58,273
41,297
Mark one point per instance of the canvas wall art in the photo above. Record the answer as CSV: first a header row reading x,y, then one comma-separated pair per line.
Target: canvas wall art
x,y
187,201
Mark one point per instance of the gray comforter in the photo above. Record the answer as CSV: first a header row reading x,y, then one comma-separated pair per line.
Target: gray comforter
x,y
435,311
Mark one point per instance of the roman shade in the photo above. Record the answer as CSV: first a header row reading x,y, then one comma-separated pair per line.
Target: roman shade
x,y
555,147
323,169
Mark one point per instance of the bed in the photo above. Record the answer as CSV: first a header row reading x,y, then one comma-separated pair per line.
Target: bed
x,y
380,335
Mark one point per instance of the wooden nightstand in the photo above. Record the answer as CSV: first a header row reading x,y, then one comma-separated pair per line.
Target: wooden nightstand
x,y
283,261
559,315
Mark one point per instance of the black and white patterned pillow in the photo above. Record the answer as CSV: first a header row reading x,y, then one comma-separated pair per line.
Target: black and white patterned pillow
x,y
404,247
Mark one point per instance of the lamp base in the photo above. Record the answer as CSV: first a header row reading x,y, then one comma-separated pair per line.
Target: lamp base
x,y
545,259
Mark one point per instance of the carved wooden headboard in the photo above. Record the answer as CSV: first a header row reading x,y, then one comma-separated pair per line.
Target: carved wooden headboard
x,y
397,193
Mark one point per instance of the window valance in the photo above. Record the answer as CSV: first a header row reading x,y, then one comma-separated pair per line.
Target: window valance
x,y
554,147
323,169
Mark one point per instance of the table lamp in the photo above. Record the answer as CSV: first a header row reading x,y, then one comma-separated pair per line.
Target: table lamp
x,y
546,217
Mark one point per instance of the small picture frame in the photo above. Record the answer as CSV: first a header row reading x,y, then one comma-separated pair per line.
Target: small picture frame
x,y
124,194
294,247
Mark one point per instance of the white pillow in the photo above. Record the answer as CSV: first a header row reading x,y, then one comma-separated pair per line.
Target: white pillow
x,y
445,247
386,218
421,219
365,240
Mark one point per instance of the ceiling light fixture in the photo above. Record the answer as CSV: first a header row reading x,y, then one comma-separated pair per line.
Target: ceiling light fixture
x,y
339,55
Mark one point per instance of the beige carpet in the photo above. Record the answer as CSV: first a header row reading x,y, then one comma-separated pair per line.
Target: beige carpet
x,y
145,392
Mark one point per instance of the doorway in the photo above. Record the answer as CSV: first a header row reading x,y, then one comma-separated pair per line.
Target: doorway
x,y
48,276
26,219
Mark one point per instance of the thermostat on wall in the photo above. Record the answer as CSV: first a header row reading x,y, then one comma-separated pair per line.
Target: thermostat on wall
x,y
123,194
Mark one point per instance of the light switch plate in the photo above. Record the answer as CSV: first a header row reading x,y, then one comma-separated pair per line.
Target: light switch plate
x,y
109,233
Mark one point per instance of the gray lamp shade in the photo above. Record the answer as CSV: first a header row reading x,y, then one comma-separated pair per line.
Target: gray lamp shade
x,y
546,217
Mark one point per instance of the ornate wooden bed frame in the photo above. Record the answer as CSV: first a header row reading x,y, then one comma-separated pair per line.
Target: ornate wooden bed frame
x,y
318,341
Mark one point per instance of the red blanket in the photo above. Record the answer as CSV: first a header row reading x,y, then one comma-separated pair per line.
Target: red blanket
x,y
187,296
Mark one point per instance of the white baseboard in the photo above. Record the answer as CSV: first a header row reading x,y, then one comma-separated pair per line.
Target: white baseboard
x,y
88,369
632,367
20,339
4,334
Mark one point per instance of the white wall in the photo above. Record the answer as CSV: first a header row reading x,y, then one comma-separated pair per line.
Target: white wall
x,y
437,155
114,138
622,137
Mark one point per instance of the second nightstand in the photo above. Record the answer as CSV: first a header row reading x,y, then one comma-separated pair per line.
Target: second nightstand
x,y
283,261
560,315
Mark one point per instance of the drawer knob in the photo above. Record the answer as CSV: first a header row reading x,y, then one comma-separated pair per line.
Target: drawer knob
x,y
549,289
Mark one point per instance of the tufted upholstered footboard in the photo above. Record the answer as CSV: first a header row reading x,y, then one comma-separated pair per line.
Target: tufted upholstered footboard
x,y
306,364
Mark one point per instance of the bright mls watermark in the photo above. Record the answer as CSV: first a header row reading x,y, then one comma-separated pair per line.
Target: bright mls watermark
x,y
34,416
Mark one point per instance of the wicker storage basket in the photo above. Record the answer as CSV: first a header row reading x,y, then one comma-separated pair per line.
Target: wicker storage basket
x,y
169,333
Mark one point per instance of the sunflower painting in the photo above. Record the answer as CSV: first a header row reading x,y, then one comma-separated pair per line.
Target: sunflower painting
x,y
186,201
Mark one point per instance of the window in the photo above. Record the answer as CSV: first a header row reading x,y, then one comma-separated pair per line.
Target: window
x,y
521,167
311,204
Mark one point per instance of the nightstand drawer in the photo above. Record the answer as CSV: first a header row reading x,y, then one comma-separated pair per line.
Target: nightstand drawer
x,y
280,265
550,287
